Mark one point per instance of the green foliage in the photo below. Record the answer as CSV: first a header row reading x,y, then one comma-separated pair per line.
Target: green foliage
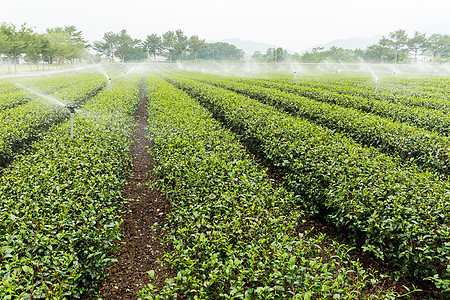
x,y
415,115
120,45
220,51
58,43
65,43
423,92
168,42
271,55
11,96
391,49
231,229
181,43
414,145
58,205
439,45
417,43
400,213
195,44
26,123
335,54
152,44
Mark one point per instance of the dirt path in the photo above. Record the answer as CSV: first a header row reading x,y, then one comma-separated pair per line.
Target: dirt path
x,y
139,247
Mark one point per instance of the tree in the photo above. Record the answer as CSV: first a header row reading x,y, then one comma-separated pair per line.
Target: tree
x,y
60,47
276,54
181,43
45,49
77,44
6,36
168,41
281,54
136,54
14,42
257,55
417,43
75,35
125,44
379,51
152,44
19,43
316,55
195,44
439,45
335,53
220,51
397,41
32,51
120,45
107,46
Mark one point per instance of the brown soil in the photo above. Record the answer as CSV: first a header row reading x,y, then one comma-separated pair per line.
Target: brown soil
x,y
140,247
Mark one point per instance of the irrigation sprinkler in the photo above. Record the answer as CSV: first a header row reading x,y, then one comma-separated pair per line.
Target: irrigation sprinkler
x,y
295,74
71,108
376,83
109,83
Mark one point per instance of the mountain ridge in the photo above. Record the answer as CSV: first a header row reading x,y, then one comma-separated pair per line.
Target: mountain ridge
x,y
249,47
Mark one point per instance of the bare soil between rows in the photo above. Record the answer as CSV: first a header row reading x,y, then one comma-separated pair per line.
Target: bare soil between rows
x,y
140,248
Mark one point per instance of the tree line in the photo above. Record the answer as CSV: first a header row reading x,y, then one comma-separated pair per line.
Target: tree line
x,y
174,45
395,48
55,45
66,45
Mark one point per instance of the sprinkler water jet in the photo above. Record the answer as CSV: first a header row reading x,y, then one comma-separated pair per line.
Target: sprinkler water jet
x,y
42,95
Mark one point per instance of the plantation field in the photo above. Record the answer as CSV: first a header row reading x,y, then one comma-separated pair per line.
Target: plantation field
x,y
245,163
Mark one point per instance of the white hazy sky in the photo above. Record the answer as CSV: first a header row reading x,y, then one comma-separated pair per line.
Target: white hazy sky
x,y
294,25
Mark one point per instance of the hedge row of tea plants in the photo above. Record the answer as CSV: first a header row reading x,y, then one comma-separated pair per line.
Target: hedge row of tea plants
x,y
400,213
23,124
423,87
11,96
429,119
402,85
421,95
428,149
58,205
13,92
231,229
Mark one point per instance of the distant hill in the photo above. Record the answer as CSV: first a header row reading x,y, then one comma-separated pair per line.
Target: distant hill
x,y
249,47
350,43
363,43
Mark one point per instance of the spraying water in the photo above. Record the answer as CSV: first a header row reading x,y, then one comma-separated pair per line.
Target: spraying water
x,y
47,97
368,68
71,108
101,70
294,70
